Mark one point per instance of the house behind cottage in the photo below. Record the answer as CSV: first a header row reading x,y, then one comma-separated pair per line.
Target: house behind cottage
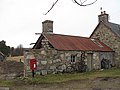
x,y
108,33
57,53
2,56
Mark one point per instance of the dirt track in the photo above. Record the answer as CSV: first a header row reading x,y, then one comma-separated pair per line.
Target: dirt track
x,y
99,83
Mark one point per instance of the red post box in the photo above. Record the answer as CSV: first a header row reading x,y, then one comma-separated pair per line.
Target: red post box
x,y
33,64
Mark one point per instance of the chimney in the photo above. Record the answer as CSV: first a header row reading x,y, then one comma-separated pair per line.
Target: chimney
x,y
103,17
47,26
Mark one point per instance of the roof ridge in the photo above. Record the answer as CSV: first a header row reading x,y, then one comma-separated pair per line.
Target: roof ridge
x,y
67,35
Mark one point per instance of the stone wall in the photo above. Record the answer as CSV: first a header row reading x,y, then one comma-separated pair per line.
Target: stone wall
x,y
11,69
53,61
110,39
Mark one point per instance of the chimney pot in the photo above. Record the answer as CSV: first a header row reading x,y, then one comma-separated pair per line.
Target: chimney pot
x,y
104,12
103,17
101,12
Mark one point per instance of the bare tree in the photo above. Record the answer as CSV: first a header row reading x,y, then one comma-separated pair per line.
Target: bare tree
x,y
18,51
80,3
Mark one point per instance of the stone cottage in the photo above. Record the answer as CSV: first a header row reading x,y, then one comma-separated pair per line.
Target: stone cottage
x,y
108,33
63,53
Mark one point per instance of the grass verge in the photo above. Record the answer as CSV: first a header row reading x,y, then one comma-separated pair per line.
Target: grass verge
x,y
57,78
61,77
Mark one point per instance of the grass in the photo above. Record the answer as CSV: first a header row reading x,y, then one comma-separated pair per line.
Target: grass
x,y
15,58
59,78
6,83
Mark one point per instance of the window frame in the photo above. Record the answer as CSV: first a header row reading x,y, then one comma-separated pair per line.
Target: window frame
x,y
73,59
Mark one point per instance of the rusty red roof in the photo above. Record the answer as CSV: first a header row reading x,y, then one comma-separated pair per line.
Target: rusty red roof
x,y
68,42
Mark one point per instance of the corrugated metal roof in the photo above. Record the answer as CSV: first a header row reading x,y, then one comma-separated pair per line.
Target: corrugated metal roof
x,y
68,42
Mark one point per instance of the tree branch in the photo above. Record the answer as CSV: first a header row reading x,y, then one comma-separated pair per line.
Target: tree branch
x,y
75,1
51,7
82,3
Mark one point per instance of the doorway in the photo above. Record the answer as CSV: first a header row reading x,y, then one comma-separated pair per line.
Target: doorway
x,y
90,61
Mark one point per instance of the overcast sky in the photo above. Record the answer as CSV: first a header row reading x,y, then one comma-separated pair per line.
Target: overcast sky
x,y
21,19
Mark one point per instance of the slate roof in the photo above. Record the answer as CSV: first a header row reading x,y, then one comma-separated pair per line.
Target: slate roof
x,y
115,28
68,42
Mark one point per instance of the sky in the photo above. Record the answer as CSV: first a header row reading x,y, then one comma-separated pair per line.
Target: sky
x,y
21,19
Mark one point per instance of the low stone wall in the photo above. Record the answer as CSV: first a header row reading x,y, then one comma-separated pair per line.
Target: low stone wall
x,y
11,69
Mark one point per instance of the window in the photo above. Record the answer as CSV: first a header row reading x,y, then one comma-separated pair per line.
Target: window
x,y
73,58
